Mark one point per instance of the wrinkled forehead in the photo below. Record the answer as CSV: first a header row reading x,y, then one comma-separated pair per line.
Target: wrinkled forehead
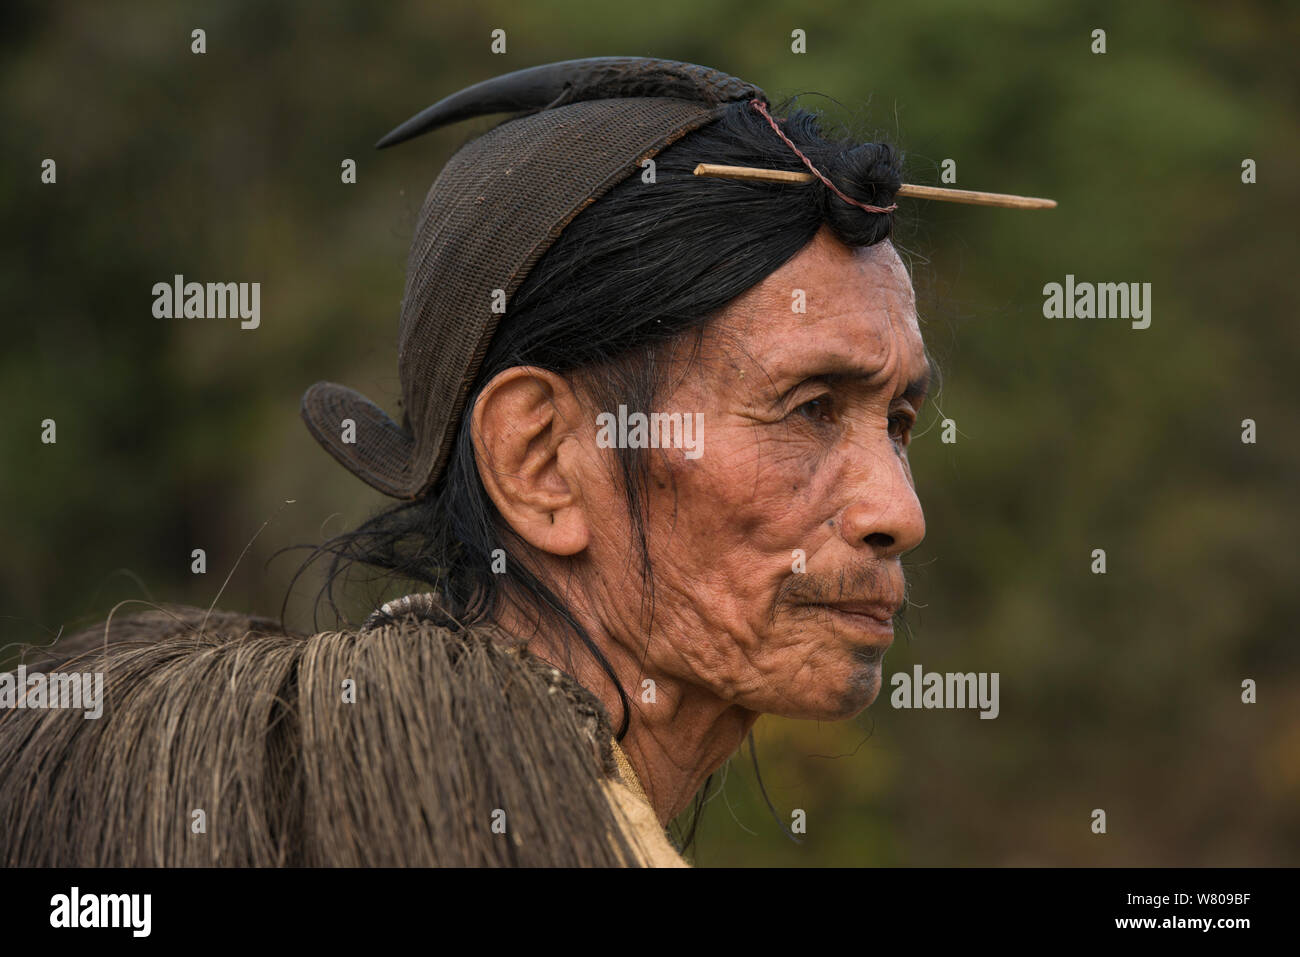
x,y
831,306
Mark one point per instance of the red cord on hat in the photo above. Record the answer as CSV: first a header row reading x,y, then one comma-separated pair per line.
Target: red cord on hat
x,y
762,108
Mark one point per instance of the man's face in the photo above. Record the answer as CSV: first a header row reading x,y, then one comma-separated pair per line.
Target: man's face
x,y
776,551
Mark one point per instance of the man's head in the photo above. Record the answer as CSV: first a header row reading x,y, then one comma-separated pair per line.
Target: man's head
x,y
775,538
763,562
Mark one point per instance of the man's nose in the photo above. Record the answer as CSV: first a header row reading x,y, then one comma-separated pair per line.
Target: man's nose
x,y
886,515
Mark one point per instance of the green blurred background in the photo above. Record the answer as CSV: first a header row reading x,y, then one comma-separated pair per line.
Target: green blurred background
x,y
1119,692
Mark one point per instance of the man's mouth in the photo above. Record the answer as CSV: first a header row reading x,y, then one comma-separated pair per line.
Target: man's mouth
x,y
874,619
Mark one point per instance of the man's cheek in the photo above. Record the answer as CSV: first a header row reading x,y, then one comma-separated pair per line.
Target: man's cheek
x,y
757,492
736,524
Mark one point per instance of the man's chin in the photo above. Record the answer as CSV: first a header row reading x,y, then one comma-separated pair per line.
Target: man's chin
x,y
840,699
859,693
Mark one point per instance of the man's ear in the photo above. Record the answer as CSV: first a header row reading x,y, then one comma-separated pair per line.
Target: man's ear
x,y
525,450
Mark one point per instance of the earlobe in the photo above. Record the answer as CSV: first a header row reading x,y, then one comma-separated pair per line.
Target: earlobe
x,y
562,532
522,438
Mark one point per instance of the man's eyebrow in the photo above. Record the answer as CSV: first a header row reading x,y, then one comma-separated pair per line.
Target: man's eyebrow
x,y
915,390
918,388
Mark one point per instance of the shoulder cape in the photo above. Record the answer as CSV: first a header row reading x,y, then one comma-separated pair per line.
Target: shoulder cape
x,y
230,742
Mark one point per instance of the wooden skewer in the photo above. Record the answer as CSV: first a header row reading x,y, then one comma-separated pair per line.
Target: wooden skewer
x,y
752,172
973,197
968,196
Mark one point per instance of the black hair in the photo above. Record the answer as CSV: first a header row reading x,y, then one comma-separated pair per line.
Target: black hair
x,y
650,262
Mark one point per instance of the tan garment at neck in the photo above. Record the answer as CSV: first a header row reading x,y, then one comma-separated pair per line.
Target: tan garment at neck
x,y
641,824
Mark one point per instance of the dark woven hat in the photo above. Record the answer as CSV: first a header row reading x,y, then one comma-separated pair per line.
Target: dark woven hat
x,y
498,205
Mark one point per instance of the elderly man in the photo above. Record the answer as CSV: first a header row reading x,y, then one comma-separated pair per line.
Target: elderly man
x,y
775,555
603,625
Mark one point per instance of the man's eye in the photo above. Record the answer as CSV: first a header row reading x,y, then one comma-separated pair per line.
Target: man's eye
x,y
900,427
818,409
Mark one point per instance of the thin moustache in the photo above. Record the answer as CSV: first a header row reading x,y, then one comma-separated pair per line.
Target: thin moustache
x,y
880,609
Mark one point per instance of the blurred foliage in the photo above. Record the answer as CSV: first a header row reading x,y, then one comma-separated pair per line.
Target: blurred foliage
x,y
1119,691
